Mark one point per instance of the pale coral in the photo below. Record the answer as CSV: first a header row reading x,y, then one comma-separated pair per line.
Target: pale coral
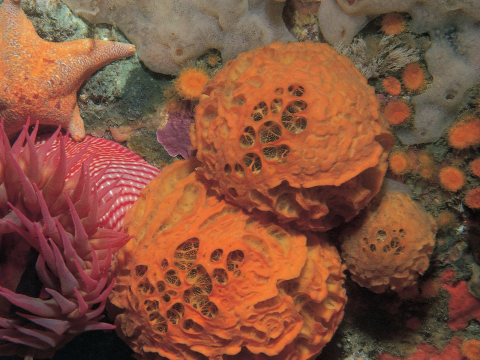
x,y
390,245
203,277
293,130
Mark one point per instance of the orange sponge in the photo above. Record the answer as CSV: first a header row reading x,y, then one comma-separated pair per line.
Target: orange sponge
x,y
293,130
390,245
203,278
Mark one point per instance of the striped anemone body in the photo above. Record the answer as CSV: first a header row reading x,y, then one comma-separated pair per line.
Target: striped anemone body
x,y
113,164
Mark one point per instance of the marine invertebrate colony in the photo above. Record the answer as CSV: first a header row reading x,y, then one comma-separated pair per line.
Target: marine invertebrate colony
x,y
55,256
41,79
202,277
293,130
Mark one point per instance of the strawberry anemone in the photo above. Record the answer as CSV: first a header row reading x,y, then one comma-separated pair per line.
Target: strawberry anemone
x,y
54,256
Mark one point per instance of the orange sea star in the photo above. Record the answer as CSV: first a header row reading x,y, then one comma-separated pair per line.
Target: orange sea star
x,y
40,79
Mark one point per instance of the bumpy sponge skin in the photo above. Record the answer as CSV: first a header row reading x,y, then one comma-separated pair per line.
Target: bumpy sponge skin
x,y
390,245
203,277
294,130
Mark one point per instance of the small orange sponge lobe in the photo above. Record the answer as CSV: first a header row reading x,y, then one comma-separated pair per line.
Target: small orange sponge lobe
x,y
294,130
203,279
471,349
390,245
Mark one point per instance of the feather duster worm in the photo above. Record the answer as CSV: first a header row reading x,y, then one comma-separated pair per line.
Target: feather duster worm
x,y
203,278
55,258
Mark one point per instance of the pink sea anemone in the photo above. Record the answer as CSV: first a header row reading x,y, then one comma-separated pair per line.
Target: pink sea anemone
x,y
54,254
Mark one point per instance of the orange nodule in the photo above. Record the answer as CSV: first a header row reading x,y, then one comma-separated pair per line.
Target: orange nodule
x,y
471,349
396,112
191,82
424,157
427,171
475,167
465,133
445,220
472,199
413,77
398,162
430,289
392,85
451,178
393,24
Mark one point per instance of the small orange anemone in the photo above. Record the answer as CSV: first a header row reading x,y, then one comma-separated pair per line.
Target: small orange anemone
x,y
451,178
472,199
427,171
475,167
393,23
445,219
413,77
398,162
396,112
190,82
392,85
465,133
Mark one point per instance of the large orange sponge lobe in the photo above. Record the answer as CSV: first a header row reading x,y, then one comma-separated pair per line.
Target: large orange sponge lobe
x,y
292,130
465,133
202,278
390,245
190,82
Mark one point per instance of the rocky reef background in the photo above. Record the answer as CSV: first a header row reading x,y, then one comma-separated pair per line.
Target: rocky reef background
x,y
125,102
